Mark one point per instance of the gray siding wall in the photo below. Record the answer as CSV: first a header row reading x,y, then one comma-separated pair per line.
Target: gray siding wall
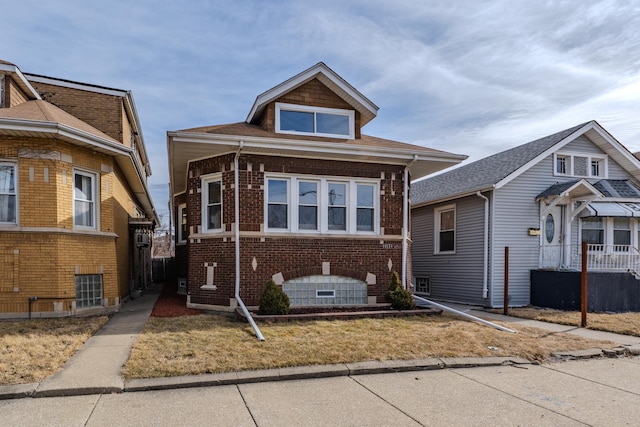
x,y
454,277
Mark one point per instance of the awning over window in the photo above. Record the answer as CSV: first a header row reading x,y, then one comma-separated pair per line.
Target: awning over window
x,y
612,209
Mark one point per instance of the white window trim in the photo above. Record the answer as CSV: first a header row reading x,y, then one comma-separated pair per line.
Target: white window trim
x,y
323,204
570,156
95,183
181,240
15,183
308,109
204,197
436,227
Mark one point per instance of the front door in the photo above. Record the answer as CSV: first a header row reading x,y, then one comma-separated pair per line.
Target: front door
x,y
552,238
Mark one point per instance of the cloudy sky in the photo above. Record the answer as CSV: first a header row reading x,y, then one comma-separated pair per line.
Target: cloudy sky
x,y
471,77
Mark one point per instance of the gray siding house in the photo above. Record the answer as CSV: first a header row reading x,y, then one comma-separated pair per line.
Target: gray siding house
x,y
540,199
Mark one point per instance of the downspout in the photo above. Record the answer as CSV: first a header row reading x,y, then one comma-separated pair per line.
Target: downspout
x,y
236,188
485,266
405,221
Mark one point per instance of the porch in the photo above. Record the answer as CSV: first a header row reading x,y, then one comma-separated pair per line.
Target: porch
x,y
600,257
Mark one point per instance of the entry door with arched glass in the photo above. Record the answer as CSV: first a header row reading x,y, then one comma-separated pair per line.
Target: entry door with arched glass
x,y
552,242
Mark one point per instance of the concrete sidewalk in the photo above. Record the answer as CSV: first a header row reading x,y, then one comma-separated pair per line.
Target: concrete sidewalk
x,y
96,367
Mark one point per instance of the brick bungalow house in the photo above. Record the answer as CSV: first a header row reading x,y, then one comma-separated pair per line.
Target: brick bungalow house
x,y
295,193
75,211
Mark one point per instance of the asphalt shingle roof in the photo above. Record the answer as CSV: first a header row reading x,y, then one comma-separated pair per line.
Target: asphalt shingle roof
x,y
484,173
247,129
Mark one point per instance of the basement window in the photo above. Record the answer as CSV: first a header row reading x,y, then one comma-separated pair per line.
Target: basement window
x,y
326,293
423,285
318,121
88,290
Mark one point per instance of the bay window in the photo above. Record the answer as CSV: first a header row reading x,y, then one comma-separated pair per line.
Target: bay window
x,y
308,205
337,208
84,199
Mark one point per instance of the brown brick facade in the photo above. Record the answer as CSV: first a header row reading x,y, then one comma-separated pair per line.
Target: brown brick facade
x,y
352,255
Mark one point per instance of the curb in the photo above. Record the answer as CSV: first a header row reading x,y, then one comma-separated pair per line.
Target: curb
x,y
265,375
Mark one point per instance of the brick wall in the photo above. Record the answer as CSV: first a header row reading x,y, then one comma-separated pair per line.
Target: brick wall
x,y
104,112
13,94
351,256
43,259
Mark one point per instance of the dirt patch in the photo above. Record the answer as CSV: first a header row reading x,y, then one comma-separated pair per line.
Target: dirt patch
x,y
170,304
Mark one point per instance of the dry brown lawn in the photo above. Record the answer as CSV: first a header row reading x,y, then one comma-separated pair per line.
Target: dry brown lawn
x,y
192,345
620,323
31,350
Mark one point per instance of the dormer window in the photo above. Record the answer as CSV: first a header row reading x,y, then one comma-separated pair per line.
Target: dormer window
x,y
317,121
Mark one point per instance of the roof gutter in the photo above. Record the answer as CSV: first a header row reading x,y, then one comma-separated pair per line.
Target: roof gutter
x,y
237,236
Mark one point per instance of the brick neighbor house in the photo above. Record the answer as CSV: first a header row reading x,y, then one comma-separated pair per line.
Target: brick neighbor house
x,y
75,212
295,193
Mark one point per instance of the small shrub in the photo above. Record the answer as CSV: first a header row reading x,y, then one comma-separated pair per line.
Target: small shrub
x,y
400,299
393,287
273,300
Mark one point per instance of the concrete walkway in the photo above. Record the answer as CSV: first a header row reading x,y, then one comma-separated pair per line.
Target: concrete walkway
x,y
96,367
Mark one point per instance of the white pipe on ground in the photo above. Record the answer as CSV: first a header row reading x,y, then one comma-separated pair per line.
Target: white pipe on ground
x,y
236,188
460,313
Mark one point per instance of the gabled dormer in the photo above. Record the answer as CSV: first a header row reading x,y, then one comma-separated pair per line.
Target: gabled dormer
x,y
316,102
14,87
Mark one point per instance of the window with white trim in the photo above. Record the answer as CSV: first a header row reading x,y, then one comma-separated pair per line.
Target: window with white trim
x,y
318,121
593,230
211,203
85,199
182,224
321,205
88,290
580,165
337,206
8,193
308,205
277,204
445,229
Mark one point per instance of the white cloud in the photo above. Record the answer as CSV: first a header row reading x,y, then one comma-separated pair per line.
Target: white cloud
x,y
466,76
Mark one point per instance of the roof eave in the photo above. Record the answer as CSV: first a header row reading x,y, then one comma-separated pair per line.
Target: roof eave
x,y
21,80
420,164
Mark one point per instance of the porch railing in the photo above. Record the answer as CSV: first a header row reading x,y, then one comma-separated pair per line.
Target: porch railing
x,y
614,258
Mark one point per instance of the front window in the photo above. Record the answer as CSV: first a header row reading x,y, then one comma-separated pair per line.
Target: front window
x,y
8,193
445,225
307,205
84,198
278,204
302,119
337,209
212,203
88,290
303,204
593,231
1,90
365,207
621,234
